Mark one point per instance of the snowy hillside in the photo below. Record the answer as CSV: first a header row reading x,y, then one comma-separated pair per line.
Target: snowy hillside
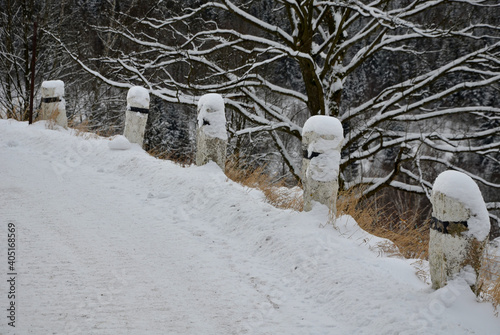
x,y
118,242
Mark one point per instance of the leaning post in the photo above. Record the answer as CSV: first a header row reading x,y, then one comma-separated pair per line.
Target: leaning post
x,y
53,106
322,138
136,115
211,135
459,230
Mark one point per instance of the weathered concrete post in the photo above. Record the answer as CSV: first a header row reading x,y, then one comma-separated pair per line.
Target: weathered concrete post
x,y
459,230
211,135
322,138
136,115
53,106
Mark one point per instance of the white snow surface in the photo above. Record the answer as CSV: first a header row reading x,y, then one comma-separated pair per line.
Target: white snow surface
x,y
211,113
53,88
118,242
138,96
119,142
461,187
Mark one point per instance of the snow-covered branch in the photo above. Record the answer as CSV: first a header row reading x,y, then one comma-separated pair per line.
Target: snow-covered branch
x,y
415,83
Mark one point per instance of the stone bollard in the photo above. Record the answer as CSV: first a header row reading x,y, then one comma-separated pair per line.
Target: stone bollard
x,y
136,115
322,138
459,229
211,136
53,106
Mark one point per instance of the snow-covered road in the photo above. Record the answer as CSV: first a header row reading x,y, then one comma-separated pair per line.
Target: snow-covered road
x,y
118,242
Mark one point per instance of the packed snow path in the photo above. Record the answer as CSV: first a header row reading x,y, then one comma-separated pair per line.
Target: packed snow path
x,y
118,242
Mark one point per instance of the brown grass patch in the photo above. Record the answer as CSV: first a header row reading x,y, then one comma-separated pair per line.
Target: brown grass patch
x,y
79,127
404,229
180,159
83,129
276,193
283,197
495,294
351,202
489,280
18,115
50,119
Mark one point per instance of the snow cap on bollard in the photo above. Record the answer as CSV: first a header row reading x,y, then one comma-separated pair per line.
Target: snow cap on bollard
x,y
211,135
212,116
138,97
137,114
53,106
459,230
52,89
322,138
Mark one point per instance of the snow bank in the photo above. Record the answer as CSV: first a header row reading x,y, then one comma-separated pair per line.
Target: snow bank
x,y
149,247
211,115
347,226
119,142
462,188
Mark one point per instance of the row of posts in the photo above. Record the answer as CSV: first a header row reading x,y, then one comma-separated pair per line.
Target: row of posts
x,y
459,230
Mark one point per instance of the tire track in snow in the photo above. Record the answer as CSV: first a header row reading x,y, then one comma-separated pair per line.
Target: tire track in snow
x,y
69,255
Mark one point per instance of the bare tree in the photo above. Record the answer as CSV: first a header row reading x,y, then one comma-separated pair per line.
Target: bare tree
x,y
16,50
412,114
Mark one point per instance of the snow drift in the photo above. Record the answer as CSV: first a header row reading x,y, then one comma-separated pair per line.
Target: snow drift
x,y
116,241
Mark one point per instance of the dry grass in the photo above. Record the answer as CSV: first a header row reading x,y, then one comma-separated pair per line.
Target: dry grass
x,y
86,128
489,280
254,177
83,129
412,238
79,127
283,197
106,132
277,194
18,115
182,160
495,294
350,202
51,119
404,229
21,115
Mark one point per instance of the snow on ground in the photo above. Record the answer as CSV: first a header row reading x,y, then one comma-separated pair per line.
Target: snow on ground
x,y
118,242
